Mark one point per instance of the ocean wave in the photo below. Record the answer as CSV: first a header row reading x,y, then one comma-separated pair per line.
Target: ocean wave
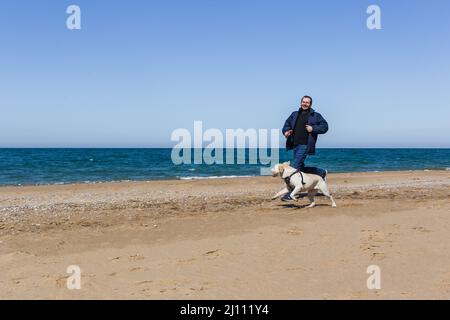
x,y
214,177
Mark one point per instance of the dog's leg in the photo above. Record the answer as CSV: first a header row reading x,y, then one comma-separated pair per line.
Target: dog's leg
x,y
282,192
290,189
311,194
295,191
324,189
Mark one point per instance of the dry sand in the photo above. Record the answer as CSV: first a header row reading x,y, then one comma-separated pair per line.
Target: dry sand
x,y
225,239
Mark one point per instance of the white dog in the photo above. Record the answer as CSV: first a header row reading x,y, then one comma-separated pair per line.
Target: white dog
x,y
297,181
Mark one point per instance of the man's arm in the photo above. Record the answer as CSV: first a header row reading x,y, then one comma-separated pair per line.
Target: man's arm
x,y
321,126
287,125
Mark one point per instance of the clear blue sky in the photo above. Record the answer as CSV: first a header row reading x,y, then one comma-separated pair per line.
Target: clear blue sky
x,y
137,70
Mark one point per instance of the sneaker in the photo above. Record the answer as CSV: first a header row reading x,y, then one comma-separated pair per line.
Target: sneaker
x,y
287,197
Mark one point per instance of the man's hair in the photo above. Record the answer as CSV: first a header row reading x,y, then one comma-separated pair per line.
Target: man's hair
x,y
308,98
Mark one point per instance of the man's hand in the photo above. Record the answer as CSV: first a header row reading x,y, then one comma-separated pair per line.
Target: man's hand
x,y
288,133
309,128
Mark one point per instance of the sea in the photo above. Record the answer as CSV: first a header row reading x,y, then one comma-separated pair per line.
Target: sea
x,y
43,166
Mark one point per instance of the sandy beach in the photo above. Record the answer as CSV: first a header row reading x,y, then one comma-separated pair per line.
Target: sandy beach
x,y
225,239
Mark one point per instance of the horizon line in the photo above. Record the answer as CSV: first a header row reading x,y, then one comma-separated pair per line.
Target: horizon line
x,y
134,147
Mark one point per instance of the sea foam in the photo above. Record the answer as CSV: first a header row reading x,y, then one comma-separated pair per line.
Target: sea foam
x,y
214,177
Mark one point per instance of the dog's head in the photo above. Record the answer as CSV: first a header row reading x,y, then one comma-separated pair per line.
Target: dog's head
x,y
279,168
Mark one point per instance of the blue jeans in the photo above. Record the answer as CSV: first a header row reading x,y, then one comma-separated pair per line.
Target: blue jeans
x,y
300,154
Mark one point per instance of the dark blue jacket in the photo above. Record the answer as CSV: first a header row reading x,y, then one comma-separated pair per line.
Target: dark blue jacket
x,y
315,120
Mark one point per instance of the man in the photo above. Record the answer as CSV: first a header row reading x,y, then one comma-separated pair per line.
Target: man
x,y
301,130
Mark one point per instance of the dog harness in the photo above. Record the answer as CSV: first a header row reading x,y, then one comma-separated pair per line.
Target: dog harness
x,y
287,180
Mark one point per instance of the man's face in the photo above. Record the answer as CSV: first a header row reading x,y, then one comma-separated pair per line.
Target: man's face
x,y
306,103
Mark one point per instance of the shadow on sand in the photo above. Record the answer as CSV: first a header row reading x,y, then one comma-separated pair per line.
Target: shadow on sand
x,y
292,205
300,196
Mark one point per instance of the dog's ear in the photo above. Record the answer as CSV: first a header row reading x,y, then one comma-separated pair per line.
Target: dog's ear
x,y
287,163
